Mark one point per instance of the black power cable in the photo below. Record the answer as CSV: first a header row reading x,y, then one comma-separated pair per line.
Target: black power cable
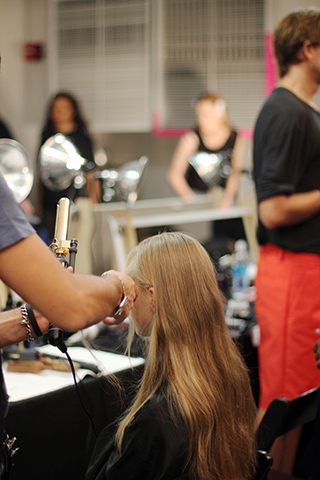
x,y
79,396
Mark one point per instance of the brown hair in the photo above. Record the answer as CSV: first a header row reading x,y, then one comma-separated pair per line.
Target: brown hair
x,y
215,99
201,371
78,116
291,33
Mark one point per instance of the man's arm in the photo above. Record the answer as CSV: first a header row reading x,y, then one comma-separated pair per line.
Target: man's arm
x,y
70,301
285,210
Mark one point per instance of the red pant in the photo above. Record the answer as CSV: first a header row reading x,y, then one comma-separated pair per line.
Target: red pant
x,y
288,312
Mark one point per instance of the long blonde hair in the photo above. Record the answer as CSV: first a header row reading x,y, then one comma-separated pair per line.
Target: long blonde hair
x,y
192,358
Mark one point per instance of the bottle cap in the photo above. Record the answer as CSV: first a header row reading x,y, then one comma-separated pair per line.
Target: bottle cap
x,y
240,245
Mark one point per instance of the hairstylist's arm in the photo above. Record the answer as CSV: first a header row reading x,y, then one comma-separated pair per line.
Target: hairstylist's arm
x,y
70,301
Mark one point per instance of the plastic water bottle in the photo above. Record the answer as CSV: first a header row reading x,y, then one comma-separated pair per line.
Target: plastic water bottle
x,y
239,267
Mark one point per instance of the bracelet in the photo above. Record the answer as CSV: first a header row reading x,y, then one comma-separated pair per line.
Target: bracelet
x,y
33,321
25,321
124,300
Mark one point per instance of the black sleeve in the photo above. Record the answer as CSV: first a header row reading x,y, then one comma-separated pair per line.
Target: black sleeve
x,y
280,151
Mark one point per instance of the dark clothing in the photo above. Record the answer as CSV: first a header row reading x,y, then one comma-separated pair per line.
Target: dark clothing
x,y
222,229
4,131
50,198
14,226
193,179
287,161
154,447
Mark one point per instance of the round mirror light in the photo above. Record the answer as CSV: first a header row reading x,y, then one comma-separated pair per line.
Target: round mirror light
x,y
124,182
60,164
15,167
211,167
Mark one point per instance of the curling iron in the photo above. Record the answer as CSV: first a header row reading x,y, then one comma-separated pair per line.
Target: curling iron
x,y
62,249
60,246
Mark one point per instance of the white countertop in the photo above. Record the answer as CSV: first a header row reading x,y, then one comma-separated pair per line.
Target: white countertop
x,y
21,386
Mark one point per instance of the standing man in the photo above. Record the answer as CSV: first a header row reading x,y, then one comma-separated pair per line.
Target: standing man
x,y
287,177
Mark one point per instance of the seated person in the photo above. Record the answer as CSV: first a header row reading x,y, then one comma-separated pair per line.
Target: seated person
x,y
194,414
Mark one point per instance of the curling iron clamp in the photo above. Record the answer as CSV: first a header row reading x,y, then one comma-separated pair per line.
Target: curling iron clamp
x,y
60,246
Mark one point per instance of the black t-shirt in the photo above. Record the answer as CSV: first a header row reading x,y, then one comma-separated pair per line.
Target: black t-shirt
x,y
287,161
193,179
154,448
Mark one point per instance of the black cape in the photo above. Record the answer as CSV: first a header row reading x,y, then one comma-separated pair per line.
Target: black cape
x,y
155,447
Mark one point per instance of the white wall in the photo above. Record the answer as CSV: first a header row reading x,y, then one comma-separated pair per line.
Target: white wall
x,y
277,9
25,86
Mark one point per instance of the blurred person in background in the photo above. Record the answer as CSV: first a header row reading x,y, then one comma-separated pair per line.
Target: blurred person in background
x,y
214,135
64,116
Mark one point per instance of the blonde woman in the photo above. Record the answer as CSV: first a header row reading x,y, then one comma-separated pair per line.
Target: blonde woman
x,y
212,134
194,414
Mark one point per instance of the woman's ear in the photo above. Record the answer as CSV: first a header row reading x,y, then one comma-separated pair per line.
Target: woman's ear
x,y
152,299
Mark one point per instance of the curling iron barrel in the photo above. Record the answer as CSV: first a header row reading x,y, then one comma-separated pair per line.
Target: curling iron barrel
x,y
60,245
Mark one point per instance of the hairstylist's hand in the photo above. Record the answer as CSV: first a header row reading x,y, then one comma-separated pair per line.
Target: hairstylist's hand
x,y
316,349
131,291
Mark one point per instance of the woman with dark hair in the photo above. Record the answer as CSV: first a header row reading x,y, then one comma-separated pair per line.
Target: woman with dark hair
x,y
194,414
64,116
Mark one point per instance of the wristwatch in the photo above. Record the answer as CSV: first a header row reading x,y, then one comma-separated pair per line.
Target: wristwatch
x,y
124,301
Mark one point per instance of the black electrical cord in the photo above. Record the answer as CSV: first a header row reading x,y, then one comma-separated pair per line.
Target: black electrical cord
x,y
79,396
